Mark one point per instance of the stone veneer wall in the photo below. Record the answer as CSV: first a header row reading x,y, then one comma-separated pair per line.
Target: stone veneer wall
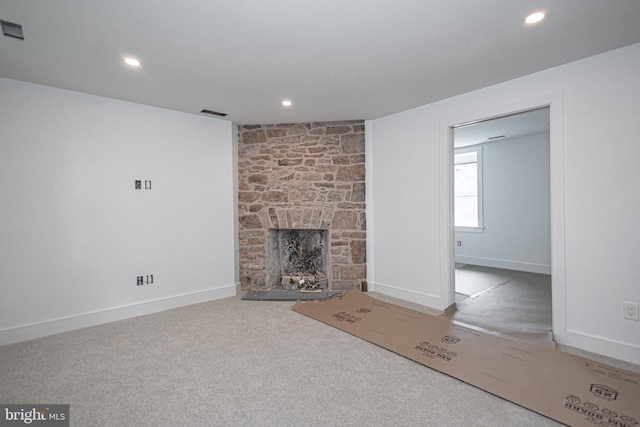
x,y
303,176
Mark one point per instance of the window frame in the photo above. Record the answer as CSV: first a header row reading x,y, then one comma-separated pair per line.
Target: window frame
x,y
478,150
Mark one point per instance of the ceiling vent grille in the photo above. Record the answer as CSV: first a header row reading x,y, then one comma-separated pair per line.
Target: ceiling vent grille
x,y
10,29
214,113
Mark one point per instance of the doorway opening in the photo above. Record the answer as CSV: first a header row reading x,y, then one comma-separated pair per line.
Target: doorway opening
x,y
501,226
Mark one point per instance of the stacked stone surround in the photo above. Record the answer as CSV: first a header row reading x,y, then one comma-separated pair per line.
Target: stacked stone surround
x,y
303,176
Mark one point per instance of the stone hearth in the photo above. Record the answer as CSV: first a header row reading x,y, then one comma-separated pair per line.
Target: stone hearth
x,y
308,176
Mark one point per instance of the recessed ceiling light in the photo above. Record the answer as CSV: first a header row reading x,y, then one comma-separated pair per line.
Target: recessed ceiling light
x,y
534,17
286,103
132,61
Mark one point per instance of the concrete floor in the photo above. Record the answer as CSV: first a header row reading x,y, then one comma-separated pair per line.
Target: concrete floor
x,y
512,303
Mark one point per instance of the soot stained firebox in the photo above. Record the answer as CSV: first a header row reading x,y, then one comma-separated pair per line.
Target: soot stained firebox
x,y
296,251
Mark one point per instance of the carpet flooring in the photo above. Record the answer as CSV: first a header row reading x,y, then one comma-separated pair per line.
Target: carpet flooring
x,y
241,363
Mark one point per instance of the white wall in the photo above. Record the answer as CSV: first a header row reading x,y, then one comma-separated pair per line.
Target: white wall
x,y
516,208
595,105
75,233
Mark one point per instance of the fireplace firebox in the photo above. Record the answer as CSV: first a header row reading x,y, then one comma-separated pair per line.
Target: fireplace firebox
x,y
292,252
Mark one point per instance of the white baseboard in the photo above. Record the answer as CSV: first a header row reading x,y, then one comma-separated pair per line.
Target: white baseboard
x,y
500,263
430,301
238,288
599,345
51,327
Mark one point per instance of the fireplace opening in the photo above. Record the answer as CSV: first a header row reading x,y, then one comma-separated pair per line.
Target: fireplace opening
x,y
297,259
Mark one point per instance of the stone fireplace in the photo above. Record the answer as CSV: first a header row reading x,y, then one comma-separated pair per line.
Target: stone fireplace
x,y
301,203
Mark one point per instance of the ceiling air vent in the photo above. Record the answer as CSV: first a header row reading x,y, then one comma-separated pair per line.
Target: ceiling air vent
x,y
10,29
213,113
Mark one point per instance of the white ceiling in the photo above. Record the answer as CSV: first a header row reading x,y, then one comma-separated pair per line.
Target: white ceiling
x,y
335,59
513,126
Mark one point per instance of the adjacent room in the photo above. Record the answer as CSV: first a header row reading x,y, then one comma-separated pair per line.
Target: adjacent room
x,y
502,222
158,162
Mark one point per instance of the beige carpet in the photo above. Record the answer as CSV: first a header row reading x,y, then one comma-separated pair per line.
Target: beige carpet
x,y
241,363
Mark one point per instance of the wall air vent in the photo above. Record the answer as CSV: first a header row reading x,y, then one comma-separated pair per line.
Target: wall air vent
x,y
214,113
10,29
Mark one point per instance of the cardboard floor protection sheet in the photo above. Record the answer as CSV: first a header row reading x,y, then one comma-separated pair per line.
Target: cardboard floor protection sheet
x,y
570,389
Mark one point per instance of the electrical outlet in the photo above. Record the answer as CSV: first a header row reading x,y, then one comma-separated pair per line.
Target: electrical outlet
x,y
145,280
630,310
459,243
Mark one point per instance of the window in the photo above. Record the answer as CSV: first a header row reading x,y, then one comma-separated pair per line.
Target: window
x,y
468,188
